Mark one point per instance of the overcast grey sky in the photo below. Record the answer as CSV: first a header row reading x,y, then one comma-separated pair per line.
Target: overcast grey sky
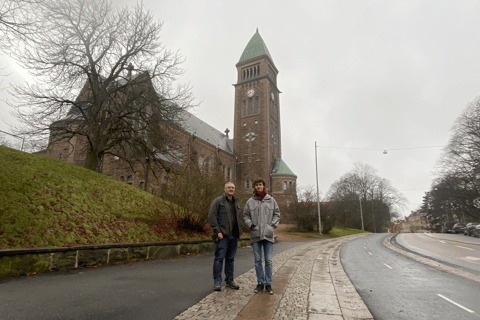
x,y
358,77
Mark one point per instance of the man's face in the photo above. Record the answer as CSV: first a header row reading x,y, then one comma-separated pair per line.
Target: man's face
x,y
230,190
259,186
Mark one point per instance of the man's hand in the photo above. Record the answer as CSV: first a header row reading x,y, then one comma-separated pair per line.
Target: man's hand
x,y
220,236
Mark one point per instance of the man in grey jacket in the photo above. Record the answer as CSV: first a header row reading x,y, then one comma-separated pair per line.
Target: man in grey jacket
x,y
224,217
262,215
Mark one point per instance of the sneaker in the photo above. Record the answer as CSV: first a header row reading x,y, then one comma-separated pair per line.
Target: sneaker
x,y
269,289
259,287
217,286
229,282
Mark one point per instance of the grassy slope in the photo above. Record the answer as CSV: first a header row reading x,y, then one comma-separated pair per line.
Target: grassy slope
x,y
46,202
335,232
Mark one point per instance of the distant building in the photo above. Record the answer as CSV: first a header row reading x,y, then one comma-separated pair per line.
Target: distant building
x,y
415,222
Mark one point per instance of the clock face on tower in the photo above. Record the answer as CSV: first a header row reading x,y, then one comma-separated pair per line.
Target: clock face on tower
x,y
250,93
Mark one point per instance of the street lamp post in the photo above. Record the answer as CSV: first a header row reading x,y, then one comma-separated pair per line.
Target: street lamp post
x,y
318,197
361,213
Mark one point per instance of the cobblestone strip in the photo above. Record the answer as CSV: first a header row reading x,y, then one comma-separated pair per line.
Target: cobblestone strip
x,y
430,262
332,295
294,302
228,303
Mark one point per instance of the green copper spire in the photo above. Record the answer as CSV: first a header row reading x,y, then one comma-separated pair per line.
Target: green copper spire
x,y
281,168
255,48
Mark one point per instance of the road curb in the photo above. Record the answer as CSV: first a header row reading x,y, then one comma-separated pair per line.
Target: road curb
x,y
429,261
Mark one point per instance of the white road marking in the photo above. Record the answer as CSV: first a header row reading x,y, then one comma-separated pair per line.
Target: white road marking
x,y
465,248
458,305
387,266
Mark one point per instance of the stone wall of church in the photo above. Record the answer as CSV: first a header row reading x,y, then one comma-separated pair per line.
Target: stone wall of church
x,y
283,190
194,151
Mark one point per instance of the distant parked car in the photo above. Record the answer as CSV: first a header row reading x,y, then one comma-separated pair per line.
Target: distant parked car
x,y
476,231
447,227
469,228
459,228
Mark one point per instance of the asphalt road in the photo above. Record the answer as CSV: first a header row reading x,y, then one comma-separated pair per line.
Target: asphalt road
x,y
158,289
394,286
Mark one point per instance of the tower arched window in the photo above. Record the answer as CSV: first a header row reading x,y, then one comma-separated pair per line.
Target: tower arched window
x,y
250,106
257,105
228,173
290,185
284,185
200,162
244,108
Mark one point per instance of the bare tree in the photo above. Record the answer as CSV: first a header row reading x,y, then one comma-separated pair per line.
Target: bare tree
x,y
101,75
363,187
457,187
17,21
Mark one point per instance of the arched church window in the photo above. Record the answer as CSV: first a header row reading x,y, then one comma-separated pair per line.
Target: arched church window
x,y
130,180
207,165
250,106
243,75
244,108
284,185
122,179
247,184
200,162
228,174
257,105
290,185
258,69
178,155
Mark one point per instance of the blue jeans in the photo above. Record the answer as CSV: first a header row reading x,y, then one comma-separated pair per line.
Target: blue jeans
x,y
225,249
263,277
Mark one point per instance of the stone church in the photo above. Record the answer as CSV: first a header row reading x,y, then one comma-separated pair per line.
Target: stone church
x,y
254,152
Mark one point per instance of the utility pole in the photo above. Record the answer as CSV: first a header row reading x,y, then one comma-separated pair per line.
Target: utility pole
x,y
361,213
318,197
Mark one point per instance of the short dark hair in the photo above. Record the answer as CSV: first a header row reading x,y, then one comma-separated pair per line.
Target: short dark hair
x,y
259,180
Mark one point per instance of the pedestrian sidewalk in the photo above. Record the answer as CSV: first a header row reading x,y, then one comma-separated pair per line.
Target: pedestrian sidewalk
x,y
309,283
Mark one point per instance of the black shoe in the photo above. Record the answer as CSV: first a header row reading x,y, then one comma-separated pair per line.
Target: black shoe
x,y
217,286
269,289
229,282
259,287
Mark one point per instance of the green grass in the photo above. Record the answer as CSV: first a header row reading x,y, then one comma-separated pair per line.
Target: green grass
x,y
335,232
46,202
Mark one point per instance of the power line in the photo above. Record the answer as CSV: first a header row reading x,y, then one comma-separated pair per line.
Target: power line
x,y
377,149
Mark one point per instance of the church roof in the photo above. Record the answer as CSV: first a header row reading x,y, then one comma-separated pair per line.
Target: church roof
x,y
281,168
206,132
255,48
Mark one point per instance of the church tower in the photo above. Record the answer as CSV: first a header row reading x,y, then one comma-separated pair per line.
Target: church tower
x,y
257,134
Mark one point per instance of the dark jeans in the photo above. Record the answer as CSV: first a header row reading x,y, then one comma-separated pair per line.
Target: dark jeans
x,y
225,249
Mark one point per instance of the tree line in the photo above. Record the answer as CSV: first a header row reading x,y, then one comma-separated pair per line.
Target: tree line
x,y
359,199
455,192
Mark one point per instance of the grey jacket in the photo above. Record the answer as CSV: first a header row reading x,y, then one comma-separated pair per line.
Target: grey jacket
x,y
220,217
265,215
